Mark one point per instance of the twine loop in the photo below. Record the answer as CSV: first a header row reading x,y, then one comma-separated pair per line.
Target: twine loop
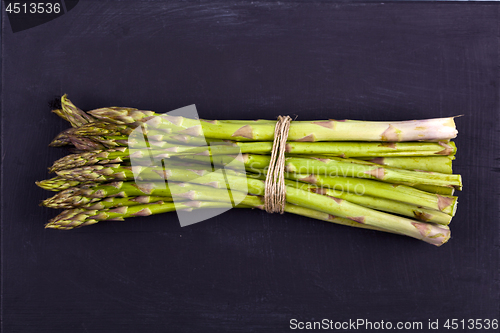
x,y
275,190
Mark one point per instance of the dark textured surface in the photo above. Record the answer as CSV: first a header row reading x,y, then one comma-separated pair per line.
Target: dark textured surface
x,y
247,270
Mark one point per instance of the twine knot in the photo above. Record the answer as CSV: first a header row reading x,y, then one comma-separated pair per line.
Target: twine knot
x,y
275,190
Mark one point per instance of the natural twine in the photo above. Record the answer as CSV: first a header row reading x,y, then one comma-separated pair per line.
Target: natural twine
x,y
275,191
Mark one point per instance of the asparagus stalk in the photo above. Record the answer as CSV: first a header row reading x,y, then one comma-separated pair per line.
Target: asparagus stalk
x,y
319,149
306,131
447,191
441,164
75,218
371,149
113,202
250,201
155,141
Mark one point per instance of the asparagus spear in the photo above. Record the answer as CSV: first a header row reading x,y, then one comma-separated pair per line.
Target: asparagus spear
x,y
441,164
116,155
113,202
75,218
371,149
85,144
77,196
447,191
307,131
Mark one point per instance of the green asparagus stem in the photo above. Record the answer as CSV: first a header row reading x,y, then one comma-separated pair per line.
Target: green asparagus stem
x,y
116,155
354,149
327,149
306,131
447,191
75,218
441,164
371,149
113,202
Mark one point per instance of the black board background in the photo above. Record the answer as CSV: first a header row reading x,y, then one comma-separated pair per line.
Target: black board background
x,y
247,270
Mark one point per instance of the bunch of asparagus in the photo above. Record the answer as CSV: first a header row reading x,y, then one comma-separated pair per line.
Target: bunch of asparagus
x,y
387,176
